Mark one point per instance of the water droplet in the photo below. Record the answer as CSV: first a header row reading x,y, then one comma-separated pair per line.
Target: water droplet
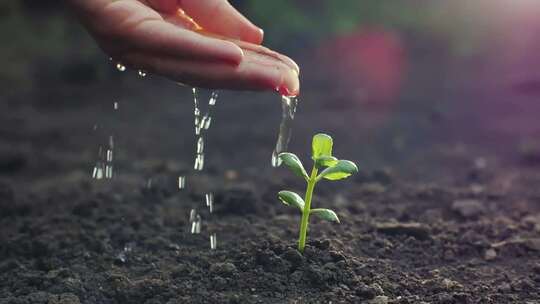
x,y
207,122
124,254
115,105
111,141
213,241
142,73
202,122
288,108
199,162
276,161
109,155
213,99
181,182
97,173
100,171
108,171
128,247
200,145
120,67
195,220
122,257
210,202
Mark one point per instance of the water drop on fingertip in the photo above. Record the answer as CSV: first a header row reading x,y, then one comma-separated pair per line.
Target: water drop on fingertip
x,y
120,67
213,241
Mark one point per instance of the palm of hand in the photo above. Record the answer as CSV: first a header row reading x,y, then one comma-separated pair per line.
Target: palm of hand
x,y
165,43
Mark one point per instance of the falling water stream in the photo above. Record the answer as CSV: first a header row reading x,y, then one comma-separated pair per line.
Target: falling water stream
x,y
103,168
202,122
288,109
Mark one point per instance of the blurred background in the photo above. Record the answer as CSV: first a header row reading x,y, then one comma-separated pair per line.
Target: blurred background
x,y
414,86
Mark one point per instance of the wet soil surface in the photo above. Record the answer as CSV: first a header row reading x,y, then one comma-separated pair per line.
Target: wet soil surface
x,y
429,219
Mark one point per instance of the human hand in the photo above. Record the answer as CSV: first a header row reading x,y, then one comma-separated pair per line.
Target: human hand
x,y
218,48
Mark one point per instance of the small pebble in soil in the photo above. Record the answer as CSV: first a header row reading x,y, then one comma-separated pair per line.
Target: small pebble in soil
x,y
379,300
448,284
320,244
297,276
294,257
533,244
383,176
372,189
223,269
271,262
468,208
65,298
416,230
365,292
490,254
533,221
536,268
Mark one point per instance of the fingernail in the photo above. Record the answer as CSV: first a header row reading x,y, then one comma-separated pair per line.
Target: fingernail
x,y
288,61
290,85
259,35
235,56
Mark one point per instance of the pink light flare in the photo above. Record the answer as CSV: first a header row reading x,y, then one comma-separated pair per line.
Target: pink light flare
x,y
368,64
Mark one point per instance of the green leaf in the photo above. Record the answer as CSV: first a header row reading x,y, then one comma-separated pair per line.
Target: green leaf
x,y
343,169
321,146
325,214
293,162
290,198
325,161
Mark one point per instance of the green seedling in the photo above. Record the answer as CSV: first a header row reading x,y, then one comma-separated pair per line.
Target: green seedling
x,y
331,168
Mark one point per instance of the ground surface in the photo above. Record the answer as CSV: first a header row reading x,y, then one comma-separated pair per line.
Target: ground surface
x,y
440,212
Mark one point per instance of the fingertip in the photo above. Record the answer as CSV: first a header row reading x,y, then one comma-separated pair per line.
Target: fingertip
x,y
256,36
247,33
291,63
234,53
283,80
290,85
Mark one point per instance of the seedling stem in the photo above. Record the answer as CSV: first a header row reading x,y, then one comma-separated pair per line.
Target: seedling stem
x,y
307,208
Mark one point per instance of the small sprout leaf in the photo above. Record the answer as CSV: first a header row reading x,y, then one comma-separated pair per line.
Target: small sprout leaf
x,y
321,146
290,198
325,161
325,214
343,169
293,162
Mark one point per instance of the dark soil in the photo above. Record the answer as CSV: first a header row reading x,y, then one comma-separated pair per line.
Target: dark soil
x,y
431,217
